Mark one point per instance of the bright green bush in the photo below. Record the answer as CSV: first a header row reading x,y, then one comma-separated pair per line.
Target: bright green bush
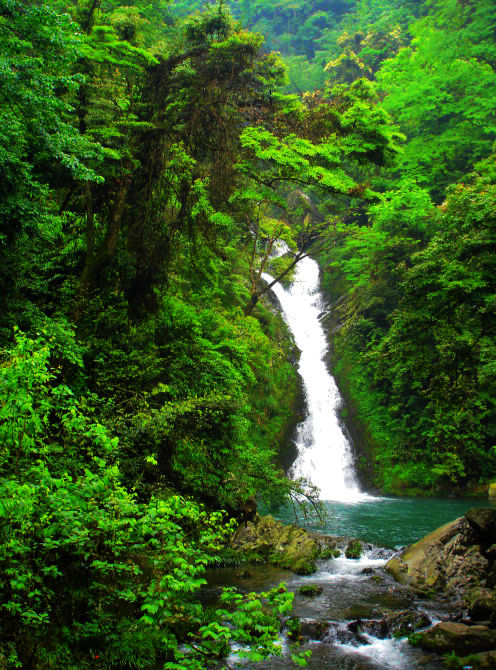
x,y
89,575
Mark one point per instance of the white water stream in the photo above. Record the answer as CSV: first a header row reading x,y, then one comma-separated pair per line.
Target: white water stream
x,y
324,453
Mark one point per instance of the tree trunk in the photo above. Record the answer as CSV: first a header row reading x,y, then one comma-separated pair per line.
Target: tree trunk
x,y
95,262
257,294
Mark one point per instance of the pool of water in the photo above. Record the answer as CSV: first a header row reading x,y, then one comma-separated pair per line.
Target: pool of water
x,y
386,522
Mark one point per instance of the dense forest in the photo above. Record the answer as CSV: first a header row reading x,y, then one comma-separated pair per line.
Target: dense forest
x,y
152,156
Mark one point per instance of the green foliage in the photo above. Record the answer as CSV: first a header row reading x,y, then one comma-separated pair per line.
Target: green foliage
x,y
447,315
441,91
354,549
149,168
88,572
417,324
310,589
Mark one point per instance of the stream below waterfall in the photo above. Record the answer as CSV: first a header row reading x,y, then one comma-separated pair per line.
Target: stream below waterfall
x,y
350,624
346,626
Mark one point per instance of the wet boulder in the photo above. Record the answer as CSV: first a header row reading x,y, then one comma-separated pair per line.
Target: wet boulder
x,y
405,622
375,627
465,567
345,633
314,629
484,661
448,636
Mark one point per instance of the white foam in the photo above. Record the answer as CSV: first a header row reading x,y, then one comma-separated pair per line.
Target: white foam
x,y
324,453
387,654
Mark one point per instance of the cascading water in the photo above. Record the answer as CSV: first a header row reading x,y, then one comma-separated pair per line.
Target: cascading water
x,y
324,453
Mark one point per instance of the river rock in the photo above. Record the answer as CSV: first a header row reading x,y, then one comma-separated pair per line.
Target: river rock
x,y
421,564
483,521
314,629
491,552
448,636
459,559
311,590
484,661
481,604
404,622
376,627
345,633
464,566
285,546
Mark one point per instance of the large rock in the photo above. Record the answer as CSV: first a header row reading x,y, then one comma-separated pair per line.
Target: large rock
x,y
404,622
481,604
464,566
484,661
420,565
286,546
448,636
483,521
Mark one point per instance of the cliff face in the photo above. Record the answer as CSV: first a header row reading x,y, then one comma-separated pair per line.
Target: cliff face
x,y
363,444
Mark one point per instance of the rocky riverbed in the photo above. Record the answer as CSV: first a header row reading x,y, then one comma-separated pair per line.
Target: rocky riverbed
x,y
458,562
365,609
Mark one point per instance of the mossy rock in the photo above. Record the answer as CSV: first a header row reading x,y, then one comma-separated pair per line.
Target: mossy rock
x,y
329,552
419,565
484,661
354,549
481,604
287,547
311,590
448,636
483,521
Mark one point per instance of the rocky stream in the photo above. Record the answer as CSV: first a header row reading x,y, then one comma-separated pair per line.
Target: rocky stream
x,y
360,606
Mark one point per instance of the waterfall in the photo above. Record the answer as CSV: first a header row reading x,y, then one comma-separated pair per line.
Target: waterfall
x,y
324,453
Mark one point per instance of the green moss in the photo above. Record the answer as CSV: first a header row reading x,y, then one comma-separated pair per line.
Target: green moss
x,y
414,639
454,662
311,590
329,552
354,549
288,547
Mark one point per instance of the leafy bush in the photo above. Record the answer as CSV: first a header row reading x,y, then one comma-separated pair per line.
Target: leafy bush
x,y
87,571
